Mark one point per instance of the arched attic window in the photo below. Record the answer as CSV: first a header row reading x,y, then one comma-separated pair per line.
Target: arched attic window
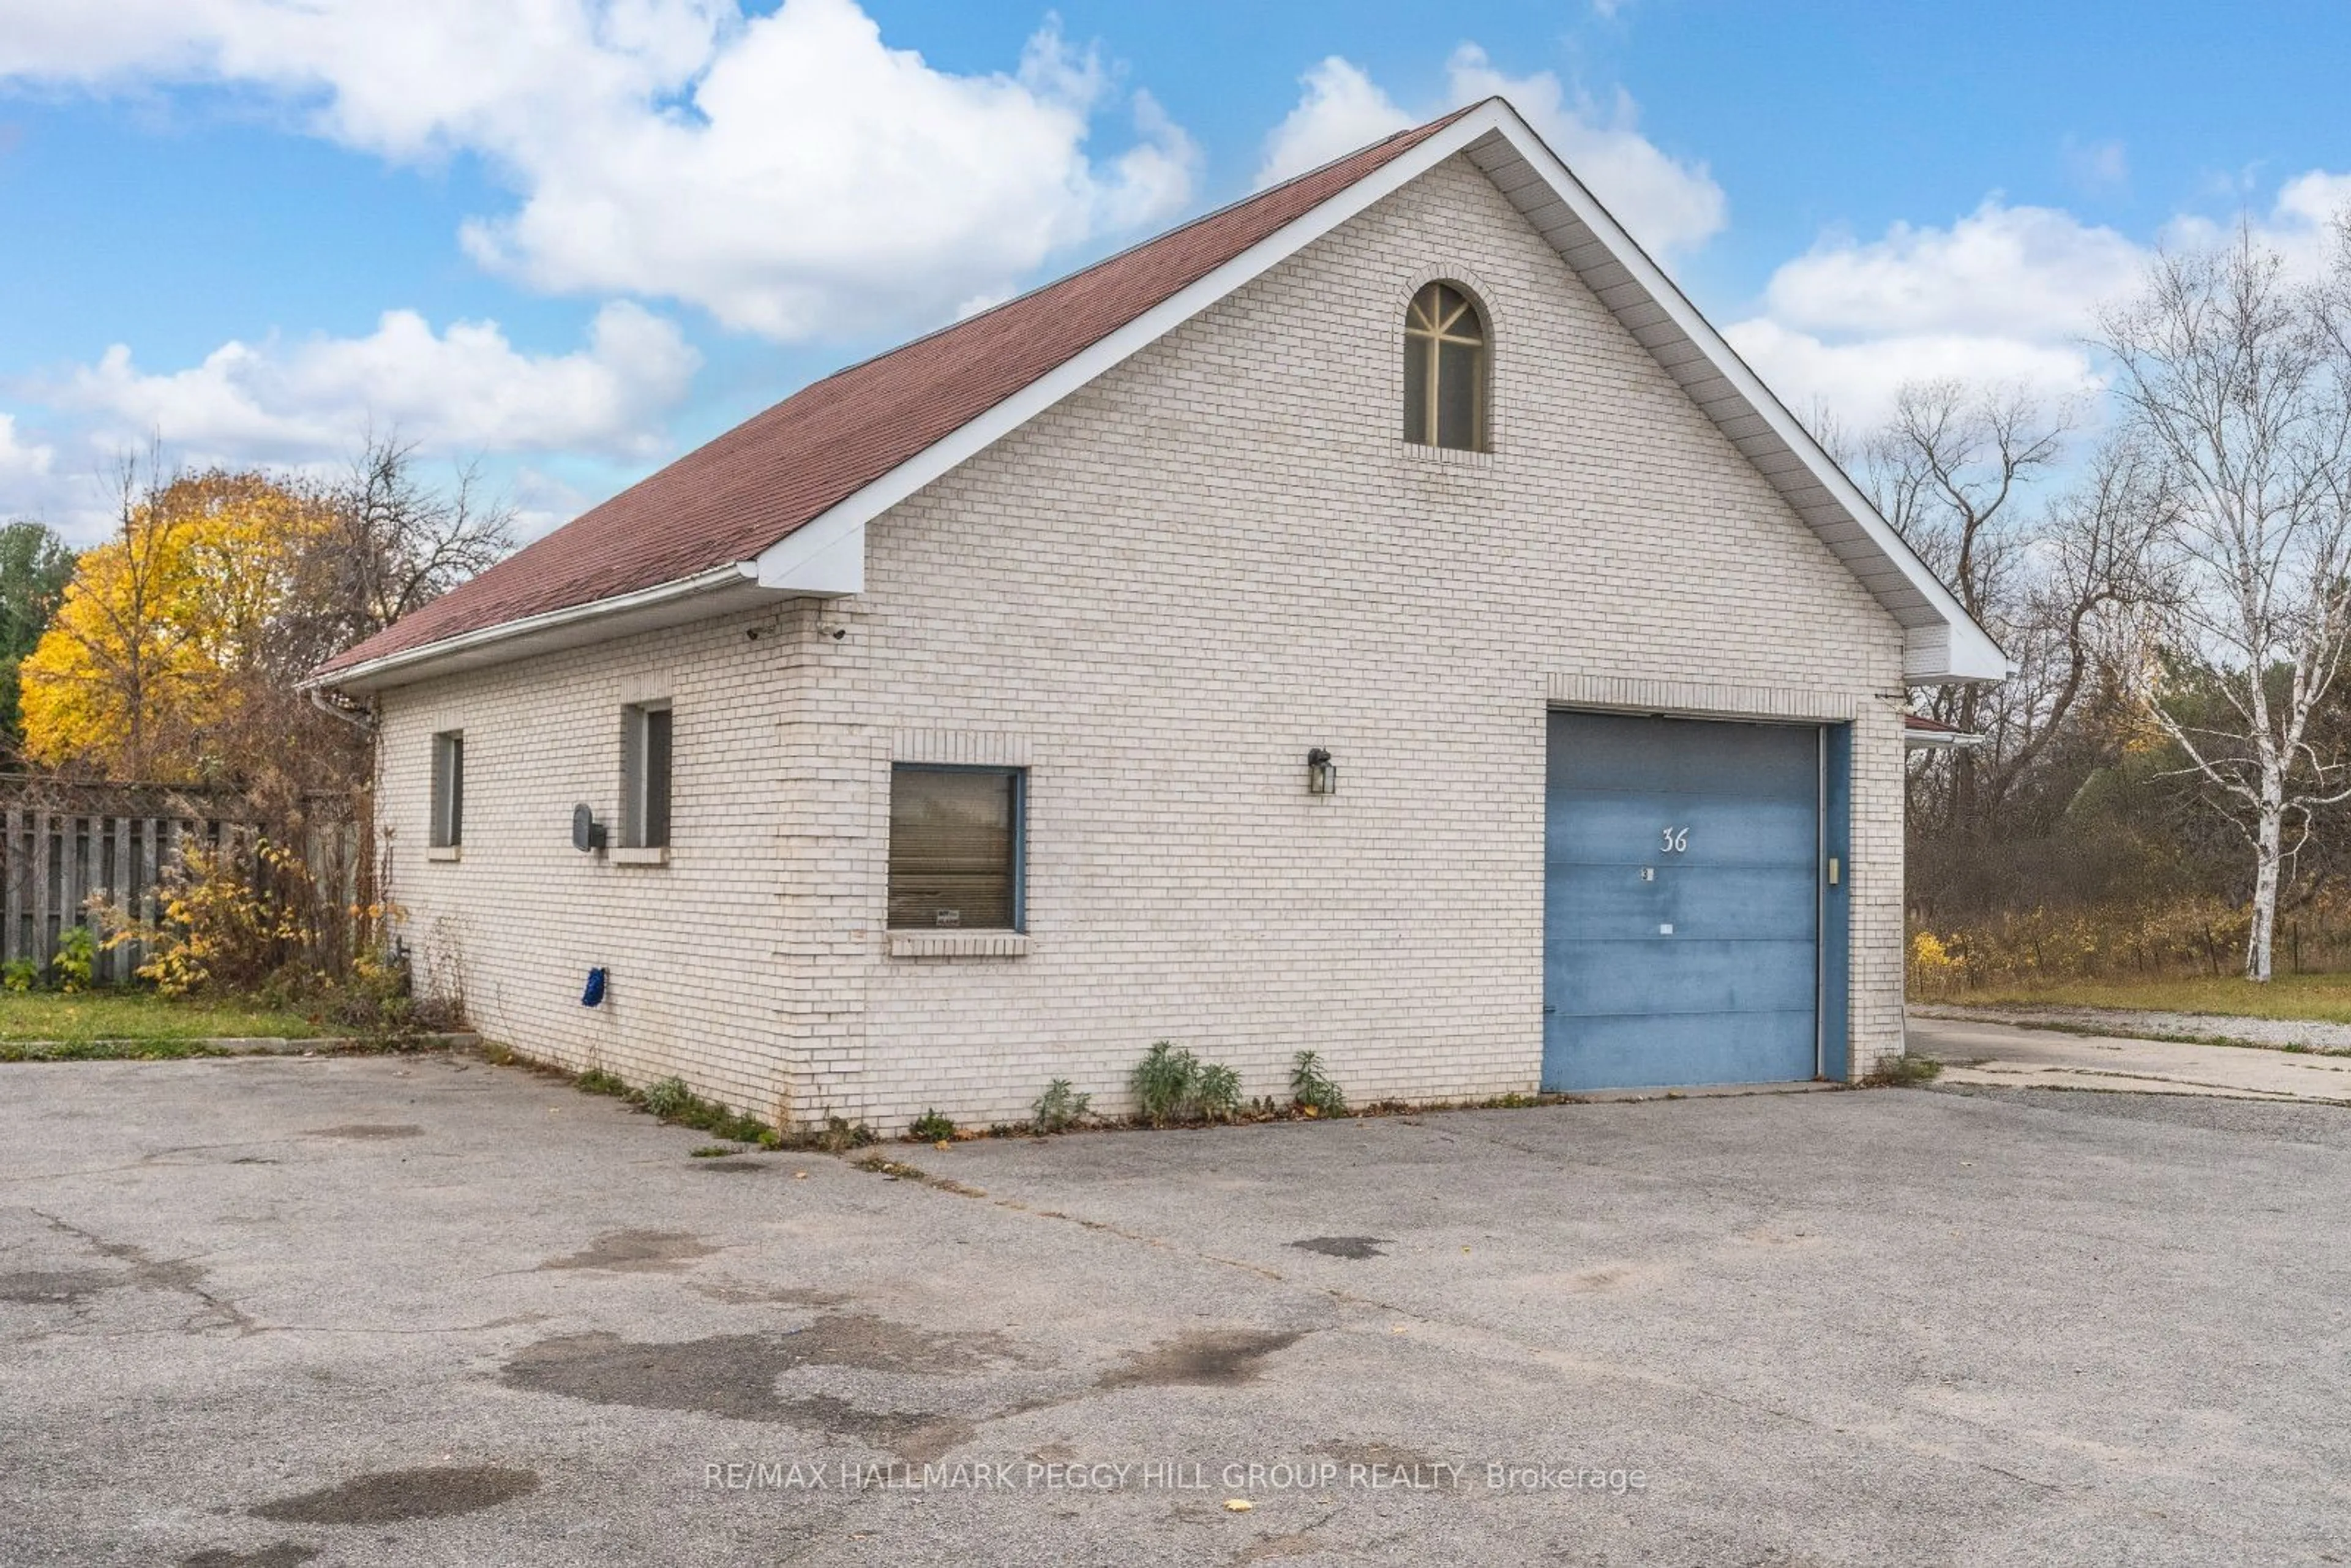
x,y
1445,370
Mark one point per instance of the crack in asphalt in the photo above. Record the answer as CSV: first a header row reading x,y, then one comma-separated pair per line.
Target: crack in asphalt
x,y
181,1275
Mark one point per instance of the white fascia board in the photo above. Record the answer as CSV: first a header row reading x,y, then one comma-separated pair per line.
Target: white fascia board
x,y
574,625
825,558
860,507
1958,649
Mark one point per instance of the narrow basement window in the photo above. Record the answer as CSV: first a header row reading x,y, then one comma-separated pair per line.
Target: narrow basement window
x,y
448,789
955,848
644,776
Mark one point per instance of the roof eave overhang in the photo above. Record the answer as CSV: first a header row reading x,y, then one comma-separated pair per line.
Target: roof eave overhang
x,y
722,590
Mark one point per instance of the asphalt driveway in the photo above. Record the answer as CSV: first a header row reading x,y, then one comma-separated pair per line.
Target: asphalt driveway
x,y
374,1311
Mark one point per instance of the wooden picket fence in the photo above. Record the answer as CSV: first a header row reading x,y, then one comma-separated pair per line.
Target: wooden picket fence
x,y
69,848
66,847
59,865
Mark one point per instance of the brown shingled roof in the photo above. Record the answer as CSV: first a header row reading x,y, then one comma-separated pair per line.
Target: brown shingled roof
x,y
728,500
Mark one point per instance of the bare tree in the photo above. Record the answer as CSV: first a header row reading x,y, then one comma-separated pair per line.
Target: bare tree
x,y
1953,472
393,544
2235,380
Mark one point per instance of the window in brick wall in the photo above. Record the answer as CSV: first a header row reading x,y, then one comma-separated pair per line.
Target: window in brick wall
x,y
644,776
955,848
448,789
1445,370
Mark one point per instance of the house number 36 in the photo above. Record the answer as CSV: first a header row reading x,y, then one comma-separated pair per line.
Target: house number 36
x,y
1676,839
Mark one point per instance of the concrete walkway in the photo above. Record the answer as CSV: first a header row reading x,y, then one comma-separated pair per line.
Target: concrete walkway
x,y
2006,1056
2139,1023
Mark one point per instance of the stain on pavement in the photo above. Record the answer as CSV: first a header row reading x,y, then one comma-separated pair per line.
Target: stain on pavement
x,y
284,1555
57,1287
391,1496
738,1293
734,1376
636,1252
1212,1358
1358,1247
1388,1455
367,1129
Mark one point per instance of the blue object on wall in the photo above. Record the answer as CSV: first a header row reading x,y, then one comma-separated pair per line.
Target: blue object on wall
x,y
1681,902
594,995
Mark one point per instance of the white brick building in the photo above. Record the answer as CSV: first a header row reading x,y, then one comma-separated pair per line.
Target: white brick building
x,y
1125,551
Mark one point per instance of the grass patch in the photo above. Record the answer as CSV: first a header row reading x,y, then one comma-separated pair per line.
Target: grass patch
x,y
1904,1071
141,1018
2296,999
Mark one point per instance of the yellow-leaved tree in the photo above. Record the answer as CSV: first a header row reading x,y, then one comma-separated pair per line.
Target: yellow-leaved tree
x,y
161,655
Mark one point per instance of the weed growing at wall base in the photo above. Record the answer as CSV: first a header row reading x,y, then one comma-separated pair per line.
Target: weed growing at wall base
x,y
1902,1072
1060,1108
1175,1088
672,1101
1311,1089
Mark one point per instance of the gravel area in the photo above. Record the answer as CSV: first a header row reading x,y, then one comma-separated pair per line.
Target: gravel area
x,y
2202,1027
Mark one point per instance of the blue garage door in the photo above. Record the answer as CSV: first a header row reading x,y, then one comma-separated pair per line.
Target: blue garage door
x,y
1681,888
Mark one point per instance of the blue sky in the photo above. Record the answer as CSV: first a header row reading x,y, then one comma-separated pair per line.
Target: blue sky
x,y
572,238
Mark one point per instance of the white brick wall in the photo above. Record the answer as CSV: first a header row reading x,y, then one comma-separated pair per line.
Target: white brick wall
x,y
521,917
1160,594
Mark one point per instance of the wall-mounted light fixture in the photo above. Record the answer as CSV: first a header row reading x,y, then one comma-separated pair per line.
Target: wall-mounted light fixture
x,y
1322,773
587,832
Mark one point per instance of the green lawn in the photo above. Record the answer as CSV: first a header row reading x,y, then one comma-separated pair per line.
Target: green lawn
x,y
137,1015
2324,997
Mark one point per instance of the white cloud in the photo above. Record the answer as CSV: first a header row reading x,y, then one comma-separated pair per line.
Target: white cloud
x,y
1857,380
2299,225
788,171
2005,294
1341,110
1666,204
22,462
2099,168
2033,272
39,482
543,502
462,390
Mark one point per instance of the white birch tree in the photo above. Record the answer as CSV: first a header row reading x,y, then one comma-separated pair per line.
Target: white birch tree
x,y
2234,376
